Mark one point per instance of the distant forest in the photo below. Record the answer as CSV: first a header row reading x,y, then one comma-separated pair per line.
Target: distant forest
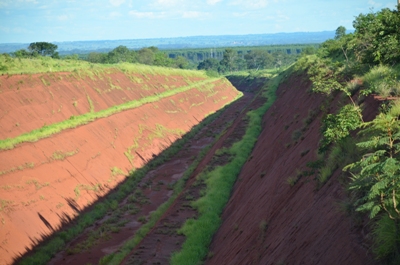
x,y
217,54
194,42
215,61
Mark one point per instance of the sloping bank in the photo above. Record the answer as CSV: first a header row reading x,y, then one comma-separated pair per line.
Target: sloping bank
x,y
219,183
47,183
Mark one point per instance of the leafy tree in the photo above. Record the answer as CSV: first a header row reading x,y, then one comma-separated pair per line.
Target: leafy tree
x,y
161,59
181,62
308,50
240,64
258,59
376,175
42,48
228,61
121,54
338,126
146,56
340,32
209,64
378,37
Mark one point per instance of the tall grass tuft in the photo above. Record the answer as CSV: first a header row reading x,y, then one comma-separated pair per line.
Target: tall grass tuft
x,y
387,240
383,80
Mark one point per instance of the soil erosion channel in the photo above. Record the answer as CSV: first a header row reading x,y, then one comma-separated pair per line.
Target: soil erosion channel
x,y
109,234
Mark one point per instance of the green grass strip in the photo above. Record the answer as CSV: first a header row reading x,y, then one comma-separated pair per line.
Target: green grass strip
x,y
219,184
75,121
13,66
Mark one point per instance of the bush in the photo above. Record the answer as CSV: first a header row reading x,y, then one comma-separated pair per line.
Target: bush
x,y
382,80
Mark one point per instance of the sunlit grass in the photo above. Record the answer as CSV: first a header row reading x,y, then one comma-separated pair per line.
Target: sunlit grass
x,y
12,66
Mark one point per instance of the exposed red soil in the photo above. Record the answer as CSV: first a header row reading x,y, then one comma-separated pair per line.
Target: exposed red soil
x,y
46,182
154,187
28,102
267,221
163,240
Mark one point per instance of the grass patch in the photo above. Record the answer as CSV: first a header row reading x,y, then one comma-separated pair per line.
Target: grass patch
x,y
219,183
60,155
18,168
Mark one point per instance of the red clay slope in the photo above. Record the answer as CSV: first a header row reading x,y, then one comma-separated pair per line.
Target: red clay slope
x,y
269,222
40,180
28,102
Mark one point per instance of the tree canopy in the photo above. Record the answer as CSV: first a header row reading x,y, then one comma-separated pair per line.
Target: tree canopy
x,y
43,48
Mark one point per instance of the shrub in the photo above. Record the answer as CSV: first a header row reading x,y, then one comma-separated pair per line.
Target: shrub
x,y
382,80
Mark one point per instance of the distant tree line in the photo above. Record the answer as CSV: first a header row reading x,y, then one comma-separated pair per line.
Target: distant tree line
x,y
218,61
197,55
255,59
150,56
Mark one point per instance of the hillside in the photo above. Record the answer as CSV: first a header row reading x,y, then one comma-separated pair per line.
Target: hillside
x,y
277,214
81,133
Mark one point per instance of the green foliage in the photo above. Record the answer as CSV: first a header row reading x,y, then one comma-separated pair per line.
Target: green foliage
x,y
325,75
42,48
382,80
229,59
378,37
386,246
209,64
340,32
375,176
119,54
258,59
338,126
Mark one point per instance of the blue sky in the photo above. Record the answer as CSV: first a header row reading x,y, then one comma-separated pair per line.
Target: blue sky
x,y
25,21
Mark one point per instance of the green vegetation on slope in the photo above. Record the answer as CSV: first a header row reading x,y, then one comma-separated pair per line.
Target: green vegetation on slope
x,y
357,65
10,66
219,184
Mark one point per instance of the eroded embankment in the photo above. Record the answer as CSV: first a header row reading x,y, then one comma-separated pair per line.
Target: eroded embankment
x,y
29,102
47,183
268,221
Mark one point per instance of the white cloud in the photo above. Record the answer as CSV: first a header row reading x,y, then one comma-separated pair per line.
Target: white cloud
x,y
4,29
194,14
166,2
117,2
65,17
114,14
6,3
151,15
28,1
213,2
251,3
62,17
240,14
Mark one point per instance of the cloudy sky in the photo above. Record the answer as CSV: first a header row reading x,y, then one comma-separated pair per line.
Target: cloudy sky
x,y
25,21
